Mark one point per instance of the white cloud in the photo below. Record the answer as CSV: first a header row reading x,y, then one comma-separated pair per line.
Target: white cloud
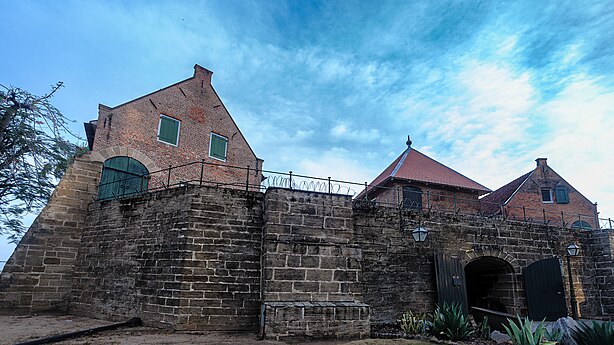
x,y
484,127
343,131
338,164
579,141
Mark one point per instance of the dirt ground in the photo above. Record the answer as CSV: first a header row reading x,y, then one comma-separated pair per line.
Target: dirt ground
x,y
17,329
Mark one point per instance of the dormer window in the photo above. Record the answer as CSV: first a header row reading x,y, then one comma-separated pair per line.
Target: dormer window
x,y
547,195
168,130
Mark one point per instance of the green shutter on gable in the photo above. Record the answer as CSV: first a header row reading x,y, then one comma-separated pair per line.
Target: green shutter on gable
x,y
169,130
562,195
218,147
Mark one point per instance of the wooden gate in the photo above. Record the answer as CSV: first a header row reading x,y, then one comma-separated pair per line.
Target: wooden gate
x,y
543,284
450,276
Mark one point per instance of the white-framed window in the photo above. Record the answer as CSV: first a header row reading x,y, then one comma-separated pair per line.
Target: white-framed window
x,y
168,130
546,195
218,147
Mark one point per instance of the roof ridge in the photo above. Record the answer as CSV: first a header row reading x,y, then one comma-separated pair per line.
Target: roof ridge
x,y
519,186
400,163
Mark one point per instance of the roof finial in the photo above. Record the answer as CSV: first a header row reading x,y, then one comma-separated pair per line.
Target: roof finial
x,y
408,142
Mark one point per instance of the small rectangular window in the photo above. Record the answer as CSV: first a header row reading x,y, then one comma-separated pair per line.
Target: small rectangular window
x,y
168,130
562,195
218,146
546,195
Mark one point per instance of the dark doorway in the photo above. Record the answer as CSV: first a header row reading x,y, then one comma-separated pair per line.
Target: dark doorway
x,y
490,284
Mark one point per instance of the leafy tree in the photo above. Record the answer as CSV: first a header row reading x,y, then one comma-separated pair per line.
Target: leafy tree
x,y
33,154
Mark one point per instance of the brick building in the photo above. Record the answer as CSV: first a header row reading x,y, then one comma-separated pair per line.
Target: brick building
x,y
419,182
542,195
180,124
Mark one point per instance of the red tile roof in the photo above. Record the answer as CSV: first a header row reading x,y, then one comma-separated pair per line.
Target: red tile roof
x,y
415,166
494,200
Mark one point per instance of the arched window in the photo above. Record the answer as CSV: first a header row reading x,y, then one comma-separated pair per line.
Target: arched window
x,y
580,224
122,176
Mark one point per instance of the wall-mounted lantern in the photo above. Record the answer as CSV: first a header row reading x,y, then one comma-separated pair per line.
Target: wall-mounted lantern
x,y
419,234
572,250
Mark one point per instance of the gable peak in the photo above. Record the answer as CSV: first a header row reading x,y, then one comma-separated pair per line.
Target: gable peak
x,y
541,162
202,73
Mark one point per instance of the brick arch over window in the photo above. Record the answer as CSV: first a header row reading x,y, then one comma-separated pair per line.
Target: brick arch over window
x,y
110,152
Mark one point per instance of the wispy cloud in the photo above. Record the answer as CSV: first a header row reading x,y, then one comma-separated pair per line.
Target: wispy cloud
x,y
333,88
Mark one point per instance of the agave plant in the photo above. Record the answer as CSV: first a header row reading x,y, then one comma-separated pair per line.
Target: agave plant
x,y
521,332
555,335
414,324
483,330
594,333
449,322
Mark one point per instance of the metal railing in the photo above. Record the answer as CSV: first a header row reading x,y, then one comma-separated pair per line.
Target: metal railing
x,y
203,173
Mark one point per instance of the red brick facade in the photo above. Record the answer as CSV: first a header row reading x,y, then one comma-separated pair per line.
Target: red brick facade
x,y
433,197
131,129
524,200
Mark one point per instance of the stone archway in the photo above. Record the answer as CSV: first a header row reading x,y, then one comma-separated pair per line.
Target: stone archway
x,y
491,284
110,152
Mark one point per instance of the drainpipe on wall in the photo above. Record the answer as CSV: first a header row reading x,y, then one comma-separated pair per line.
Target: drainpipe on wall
x,y
597,226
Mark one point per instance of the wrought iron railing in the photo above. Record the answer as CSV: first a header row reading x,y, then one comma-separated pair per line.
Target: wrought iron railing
x,y
203,173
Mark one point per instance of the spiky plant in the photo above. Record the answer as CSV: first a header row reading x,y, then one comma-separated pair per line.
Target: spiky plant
x,y
594,334
521,332
450,323
483,330
414,324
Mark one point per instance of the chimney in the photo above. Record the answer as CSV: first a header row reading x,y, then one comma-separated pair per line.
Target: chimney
x,y
202,73
541,162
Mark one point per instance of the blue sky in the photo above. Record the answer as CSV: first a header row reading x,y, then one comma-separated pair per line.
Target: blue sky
x,y
333,88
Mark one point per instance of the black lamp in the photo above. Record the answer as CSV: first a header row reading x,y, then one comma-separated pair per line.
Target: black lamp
x,y
572,250
419,234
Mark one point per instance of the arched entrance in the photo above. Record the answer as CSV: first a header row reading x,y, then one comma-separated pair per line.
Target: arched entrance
x,y
122,176
490,284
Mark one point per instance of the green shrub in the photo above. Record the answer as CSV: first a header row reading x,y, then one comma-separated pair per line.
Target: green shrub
x,y
521,332
555,336
594,333
484,329
450,323
414,324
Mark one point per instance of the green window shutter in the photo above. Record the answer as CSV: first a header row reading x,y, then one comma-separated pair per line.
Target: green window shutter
x,y
218,147
169,130
562,195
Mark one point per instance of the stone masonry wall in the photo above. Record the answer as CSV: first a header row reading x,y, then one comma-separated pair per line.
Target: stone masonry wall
x,y
38,275
185,258
398,273
312,267
190,258
602,251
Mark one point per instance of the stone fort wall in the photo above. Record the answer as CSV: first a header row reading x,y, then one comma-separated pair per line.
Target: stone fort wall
x,y
185,258
38,275
307,264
